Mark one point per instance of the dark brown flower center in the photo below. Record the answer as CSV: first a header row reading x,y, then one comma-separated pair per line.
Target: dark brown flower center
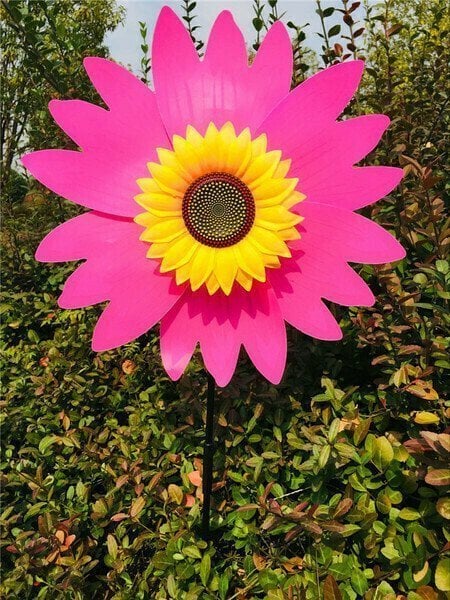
x,y
218,210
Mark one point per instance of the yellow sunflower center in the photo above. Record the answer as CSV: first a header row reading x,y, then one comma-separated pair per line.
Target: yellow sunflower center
x,y
217,209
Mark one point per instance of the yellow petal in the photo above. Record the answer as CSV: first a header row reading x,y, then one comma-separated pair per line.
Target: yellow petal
x,y
165,213
211,149
249,260
179,253
157,250
259,145
289,234
274,191
293,199
147,184
168,179
146,219
243,153
161,201
165,230
270,261
227,141
182,274
212,284
188,157
168,158
268,242
202,265
225,268
276,218
207,148
193,136
261,169
283,168
245,280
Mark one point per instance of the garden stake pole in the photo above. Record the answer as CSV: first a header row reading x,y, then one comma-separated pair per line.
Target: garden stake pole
x,y
208,453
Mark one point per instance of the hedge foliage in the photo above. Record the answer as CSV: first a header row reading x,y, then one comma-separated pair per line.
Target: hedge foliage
x,y
332,485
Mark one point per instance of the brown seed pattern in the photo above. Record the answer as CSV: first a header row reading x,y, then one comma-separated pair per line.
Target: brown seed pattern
x,y
218,209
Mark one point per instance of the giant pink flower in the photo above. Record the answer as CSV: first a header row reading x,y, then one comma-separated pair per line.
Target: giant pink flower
x,y
222,203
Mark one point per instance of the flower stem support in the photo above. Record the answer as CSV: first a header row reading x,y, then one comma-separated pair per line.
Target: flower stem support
x,y
208,453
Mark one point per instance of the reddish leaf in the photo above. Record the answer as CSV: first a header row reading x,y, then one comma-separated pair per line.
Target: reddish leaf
x,y
438,477
331,590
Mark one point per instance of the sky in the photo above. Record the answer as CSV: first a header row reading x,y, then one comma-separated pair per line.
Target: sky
x,y
125,41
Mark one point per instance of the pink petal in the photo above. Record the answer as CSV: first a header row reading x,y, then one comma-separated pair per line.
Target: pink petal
x,y
221,87
351,187
198,317
82,121
117,270
219,335
264,336
221,324
313,105
324,164
325,275
271,72
324,151
346,235
304,310
83,287
226,46
178,337
119,88
116,143
353,139
330,237
333,150
131,314
88,180
84,237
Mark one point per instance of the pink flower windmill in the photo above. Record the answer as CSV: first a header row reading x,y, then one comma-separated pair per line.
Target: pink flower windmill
x,y
222,203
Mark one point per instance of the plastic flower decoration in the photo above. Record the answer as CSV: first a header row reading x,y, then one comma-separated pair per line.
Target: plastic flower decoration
x,y
222,202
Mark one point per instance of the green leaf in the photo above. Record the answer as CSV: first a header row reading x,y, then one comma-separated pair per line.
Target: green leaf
x,y
35,509
161,561
171,586
334,30
382,453
270,455
443,507
192,552
409,514
383,503
205,569
333,430
112,545
175,493
324,456
224,583
268,579
359,582
442,575
442,266
46,442
258,24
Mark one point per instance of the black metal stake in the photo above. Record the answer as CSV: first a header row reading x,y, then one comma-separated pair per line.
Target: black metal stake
x,y
208,453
